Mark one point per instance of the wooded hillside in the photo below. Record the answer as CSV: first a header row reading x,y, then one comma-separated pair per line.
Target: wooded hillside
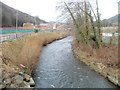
x,y
9,17
113,21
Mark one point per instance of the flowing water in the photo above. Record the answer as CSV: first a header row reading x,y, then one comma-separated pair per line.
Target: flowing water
x,y
58,68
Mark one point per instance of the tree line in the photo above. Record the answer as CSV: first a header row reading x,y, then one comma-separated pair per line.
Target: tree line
x,y
86,20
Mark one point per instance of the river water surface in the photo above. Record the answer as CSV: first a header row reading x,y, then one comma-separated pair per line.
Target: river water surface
x,y
58,68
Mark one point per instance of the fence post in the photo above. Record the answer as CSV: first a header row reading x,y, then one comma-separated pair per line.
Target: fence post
x,y
16,35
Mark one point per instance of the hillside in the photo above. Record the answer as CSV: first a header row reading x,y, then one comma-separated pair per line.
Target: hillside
x,y
9,17
113,21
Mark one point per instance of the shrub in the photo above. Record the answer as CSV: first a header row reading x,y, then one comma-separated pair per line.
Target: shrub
x,y
36,30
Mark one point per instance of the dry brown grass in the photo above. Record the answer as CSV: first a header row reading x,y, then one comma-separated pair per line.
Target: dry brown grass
x,y
107,54
25,50
103,60
109,28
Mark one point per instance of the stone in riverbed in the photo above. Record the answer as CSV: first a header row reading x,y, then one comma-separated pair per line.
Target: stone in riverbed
x,y
24,85
7,81
5,75
13,86
27,78
21,73
2,86
32,83
1,79
18,79
113,79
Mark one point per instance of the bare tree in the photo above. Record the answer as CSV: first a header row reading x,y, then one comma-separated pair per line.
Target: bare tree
x,y
83,17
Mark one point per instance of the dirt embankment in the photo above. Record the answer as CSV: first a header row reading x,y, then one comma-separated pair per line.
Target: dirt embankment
x,y
103,60
19,56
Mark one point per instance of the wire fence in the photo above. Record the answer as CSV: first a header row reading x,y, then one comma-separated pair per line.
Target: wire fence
x,y
11,36
4,37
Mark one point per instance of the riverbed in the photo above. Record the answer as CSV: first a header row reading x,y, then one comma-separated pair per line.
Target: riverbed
x,y
58,68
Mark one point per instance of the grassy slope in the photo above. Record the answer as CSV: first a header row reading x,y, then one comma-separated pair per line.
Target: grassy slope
x,y
109,29
25,50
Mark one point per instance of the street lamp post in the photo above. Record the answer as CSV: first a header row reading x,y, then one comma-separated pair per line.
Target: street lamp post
x,y
16,21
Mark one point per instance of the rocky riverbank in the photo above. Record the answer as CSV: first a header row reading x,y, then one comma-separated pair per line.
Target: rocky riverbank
x,y
15,77
106,64
19,57
18,80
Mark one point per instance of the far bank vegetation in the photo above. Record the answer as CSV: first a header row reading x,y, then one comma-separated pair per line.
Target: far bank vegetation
x,y
85,20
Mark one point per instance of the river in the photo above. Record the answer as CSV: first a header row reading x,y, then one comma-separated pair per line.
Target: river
x,y
58,68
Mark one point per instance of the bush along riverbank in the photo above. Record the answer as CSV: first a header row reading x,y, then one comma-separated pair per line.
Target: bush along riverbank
x,y
103,60
19,57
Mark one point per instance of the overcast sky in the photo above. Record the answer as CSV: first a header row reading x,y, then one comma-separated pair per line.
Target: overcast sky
x,y
46,9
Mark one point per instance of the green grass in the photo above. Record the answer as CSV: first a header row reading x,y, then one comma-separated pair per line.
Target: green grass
x,y
107,40
109,31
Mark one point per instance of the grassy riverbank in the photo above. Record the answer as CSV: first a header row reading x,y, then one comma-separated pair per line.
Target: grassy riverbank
x,y
109,29
103,60
21,54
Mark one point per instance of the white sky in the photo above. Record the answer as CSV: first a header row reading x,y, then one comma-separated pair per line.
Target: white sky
x,y
46,9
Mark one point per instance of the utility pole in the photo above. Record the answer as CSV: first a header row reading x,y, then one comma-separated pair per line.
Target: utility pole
x,y
16,21
35,21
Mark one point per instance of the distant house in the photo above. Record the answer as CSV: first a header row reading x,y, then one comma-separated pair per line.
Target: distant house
x,y
45,26
28,25
54,26
38,26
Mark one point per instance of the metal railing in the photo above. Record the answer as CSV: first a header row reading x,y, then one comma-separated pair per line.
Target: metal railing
x,y
11,36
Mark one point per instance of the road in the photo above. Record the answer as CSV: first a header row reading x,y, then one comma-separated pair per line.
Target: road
x,y
58,68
